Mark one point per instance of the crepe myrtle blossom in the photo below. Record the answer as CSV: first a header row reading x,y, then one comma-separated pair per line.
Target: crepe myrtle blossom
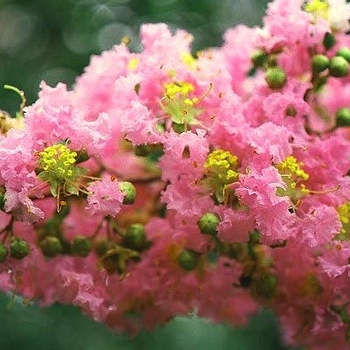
x,y
167,182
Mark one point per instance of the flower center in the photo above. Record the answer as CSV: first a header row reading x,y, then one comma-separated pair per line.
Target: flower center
x,y
294,177
318,8
220,167
58,160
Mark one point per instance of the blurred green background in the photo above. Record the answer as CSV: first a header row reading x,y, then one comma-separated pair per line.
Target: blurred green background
x,y
53,41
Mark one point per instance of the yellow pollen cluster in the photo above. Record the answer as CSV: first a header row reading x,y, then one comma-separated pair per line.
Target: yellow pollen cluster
x,y
290,166
344,217
293,175
317,8
188,59
178,88
344,213
220,164
133,63
58,160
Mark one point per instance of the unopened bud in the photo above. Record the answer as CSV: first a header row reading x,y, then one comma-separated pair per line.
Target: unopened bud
x,y
135,236
129,191
101,246
3,252
178,128
343,117
344,52
319,63
82,156
329,41
275,77
265,285
2,198
51,246
208,223
259,58
338,67
81,246
188,259
19,248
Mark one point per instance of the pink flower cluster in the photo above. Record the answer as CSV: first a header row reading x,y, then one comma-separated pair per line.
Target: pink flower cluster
x,y
166,183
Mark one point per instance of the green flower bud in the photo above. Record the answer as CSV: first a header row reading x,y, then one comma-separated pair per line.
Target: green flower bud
x,y
344,52
319,63
135,236
259,58
272,60
129,190
343,117
208,223
81,246
254,237
329,41
338,67
178,128
101,246
265,285
19,248
188,259
51,246
275,77
3,252
82,156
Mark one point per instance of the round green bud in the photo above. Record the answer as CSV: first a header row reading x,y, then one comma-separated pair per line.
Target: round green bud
x,y
344,52
135,236
342,117
329,41
19,248
81,246
259,58
3,252
51,246
338,67
129,190
101,246
275,77
319,63
188,259
208,224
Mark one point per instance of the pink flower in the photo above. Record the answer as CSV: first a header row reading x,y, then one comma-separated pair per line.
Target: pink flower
x,y
105,197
